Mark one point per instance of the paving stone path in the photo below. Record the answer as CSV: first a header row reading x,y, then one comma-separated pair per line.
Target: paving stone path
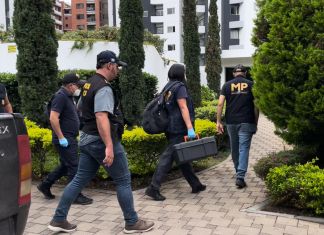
x,y
218,210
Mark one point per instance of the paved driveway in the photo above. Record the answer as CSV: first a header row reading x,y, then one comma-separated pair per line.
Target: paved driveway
x,y
218,210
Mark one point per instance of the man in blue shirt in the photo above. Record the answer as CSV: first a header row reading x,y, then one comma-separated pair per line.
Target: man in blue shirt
x,y
65,125
241,117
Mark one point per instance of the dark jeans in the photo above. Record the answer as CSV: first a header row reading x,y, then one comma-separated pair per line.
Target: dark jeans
x,y
68,157
165,165
91,157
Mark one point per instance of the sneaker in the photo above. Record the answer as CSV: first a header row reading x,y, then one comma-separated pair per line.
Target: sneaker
x,y
64,226
46,191
83,200
154,193
139,227
240,183
199,188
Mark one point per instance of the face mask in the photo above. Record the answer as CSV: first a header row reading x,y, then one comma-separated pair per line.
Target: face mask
x,y
77,92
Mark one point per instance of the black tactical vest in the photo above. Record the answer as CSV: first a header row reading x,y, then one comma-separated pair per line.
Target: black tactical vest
x,y
94,84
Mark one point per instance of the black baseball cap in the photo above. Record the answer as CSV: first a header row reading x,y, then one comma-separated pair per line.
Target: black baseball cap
x,y
109,57
239,68
72,78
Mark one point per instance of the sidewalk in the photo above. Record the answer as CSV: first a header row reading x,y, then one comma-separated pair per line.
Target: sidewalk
x,y
218,210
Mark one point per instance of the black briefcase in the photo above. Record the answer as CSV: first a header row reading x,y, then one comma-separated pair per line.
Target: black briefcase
x,y
195,149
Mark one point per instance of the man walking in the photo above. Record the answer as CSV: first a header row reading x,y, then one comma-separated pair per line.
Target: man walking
x,y
100,144
5,106
241,118
65,125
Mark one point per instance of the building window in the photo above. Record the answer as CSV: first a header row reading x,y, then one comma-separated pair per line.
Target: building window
x,y
80,27
80,16
171,29
171,11
79,6
159,28
171,47
234,34
202,60
145,13
235,9
159,10
66,25
201,20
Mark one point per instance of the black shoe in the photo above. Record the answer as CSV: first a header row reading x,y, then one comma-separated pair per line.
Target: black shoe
x,y
64,226
240,183
154,193
199,188
83,200
46,191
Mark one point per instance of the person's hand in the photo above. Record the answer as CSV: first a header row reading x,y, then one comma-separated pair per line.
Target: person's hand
x,y
108,161
220,128
191,133
63,142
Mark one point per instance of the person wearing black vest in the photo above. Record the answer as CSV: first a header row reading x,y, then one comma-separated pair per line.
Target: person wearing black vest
x,y
181,123
100,144
5,106
241,118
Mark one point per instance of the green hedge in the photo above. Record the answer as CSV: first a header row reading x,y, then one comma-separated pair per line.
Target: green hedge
x,y
287,157
142,149
300,186
9,80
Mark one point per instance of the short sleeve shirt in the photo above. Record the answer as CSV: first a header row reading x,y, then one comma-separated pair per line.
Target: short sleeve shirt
x,y
239,101
63,103
182,93
104,102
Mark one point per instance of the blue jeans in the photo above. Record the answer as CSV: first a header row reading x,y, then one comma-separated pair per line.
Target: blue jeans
x,y
91,158
240,136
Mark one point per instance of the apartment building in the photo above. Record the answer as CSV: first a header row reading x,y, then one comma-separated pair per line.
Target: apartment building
x,y
7,10
57,15
67,17
89,14
164,18
6,13
236,19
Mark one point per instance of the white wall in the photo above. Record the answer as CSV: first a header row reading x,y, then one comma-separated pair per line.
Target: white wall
x,y
86,59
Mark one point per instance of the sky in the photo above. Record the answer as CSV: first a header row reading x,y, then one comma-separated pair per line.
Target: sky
x,y
68,1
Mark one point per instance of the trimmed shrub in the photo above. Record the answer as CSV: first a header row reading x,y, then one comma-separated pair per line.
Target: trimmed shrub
x,y
207,110
300,186
290,157
41,147
143,150
9,80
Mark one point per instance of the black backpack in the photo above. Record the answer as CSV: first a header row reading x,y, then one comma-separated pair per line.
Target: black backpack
x,y
155,116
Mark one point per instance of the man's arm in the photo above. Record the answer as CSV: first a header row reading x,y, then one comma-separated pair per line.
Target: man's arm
x,y
256,114
221,101
103,126
55,123
7,105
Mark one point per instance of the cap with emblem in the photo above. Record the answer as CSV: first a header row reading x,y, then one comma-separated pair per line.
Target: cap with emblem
x,y
239,68
72,78
109,57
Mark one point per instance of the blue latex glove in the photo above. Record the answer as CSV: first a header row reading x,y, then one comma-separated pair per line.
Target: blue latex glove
x,y
191,133
63,142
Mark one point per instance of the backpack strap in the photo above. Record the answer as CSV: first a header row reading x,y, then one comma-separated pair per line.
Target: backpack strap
x,y
171,85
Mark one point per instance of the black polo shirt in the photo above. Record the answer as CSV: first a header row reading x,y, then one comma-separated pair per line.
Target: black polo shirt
x,y
63,103
239,101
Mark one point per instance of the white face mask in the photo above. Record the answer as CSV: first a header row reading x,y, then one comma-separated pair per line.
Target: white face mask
x,y
77,92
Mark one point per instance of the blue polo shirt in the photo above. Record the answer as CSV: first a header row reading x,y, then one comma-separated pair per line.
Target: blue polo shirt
x,y
64,104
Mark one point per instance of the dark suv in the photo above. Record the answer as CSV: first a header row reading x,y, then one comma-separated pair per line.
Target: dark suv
x,y
15,174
